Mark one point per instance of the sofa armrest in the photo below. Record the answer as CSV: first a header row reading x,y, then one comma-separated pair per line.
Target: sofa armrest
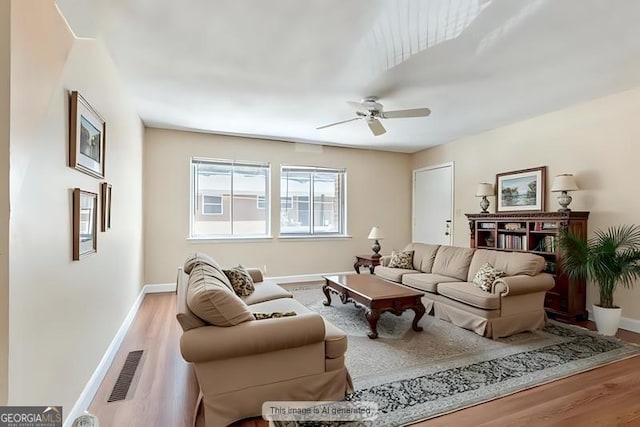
x,y
522,284
252,337
384,260
256,274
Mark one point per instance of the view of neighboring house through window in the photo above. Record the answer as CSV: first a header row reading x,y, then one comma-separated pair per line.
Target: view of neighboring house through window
x,y
312,201
229,198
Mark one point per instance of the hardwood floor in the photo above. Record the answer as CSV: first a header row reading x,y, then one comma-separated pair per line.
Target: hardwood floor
x,y
164,390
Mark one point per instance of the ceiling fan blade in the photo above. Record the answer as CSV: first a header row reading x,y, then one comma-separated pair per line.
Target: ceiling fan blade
x,y
416,112
338,123
376,127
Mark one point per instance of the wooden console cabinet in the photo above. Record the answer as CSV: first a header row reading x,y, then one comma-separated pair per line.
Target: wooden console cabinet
x,y
537,232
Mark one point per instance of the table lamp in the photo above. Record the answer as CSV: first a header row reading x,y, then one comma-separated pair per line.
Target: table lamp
x,y
563,183
484,189
376,234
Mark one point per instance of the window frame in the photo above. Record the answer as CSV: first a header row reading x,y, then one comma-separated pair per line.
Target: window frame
x,y
193,197
212,204
342,215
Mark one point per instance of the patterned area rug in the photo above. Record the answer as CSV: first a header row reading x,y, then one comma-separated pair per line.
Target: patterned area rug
x,y
413,376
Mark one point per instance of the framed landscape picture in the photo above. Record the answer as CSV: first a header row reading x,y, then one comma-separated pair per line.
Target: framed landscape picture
x,y
87,133
85,223
521,190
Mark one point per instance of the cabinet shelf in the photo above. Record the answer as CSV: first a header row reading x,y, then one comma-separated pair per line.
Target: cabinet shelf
x,y
537,233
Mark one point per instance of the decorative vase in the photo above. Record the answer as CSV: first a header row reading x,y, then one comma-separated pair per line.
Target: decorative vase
x,y
607,319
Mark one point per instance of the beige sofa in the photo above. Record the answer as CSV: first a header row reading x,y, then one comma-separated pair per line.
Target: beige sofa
x,y
514,304
240,366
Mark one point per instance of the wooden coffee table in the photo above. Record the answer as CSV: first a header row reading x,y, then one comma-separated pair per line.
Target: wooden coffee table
x,y
376,295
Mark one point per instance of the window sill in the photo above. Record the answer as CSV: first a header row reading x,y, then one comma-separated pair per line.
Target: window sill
x,y
239,239
318,237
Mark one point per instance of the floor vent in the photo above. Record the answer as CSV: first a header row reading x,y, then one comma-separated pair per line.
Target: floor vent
x,y
121,388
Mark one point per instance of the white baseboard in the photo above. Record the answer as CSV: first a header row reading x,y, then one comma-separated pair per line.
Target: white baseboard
x,y
87,395
304,277
627,324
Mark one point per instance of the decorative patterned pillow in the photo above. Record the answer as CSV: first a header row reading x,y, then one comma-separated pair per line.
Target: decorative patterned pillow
x,y
485,277
275,314
401,260
241,281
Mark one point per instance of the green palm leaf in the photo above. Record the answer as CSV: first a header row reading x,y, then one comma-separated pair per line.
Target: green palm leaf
x,y
610,258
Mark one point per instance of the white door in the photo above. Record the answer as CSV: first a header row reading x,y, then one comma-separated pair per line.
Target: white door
x,y
433,204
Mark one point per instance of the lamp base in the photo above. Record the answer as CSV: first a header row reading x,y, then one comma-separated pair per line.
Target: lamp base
x,y
563,200
376,249
484,204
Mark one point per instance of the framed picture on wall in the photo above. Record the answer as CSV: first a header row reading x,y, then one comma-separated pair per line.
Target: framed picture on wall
x,y
106,206
87,136
521,190
85,223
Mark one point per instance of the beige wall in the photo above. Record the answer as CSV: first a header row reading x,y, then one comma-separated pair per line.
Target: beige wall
x,y
598,141
378,188
5,61
64,313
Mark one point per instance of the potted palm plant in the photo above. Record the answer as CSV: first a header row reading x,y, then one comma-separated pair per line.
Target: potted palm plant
x,y
608,259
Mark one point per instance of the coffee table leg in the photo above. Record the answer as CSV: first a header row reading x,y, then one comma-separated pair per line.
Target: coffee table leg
x,y
356,267
373,316
325,289
419,310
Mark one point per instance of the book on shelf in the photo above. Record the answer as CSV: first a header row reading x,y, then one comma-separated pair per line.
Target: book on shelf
x,y
515,242
487,225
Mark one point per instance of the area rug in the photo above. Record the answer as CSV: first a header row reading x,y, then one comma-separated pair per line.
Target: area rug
x,y
413,376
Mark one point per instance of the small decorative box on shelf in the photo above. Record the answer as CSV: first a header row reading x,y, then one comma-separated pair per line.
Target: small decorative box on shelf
x,y
537,232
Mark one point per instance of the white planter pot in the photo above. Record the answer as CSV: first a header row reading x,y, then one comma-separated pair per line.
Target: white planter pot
x,y
607,319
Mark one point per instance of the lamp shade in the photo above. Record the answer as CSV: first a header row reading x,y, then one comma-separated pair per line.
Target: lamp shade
x,y
484,189
564,182
376,233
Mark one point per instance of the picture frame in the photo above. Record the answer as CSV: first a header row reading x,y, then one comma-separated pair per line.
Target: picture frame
x,y
521,190
85,223
87,137
106,206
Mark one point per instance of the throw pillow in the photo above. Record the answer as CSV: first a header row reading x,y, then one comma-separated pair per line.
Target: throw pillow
x,y
241,281
485,277
401,260
275,314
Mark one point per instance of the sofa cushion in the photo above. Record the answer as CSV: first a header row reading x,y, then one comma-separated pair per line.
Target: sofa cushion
x,y
423,256
426,281
199,258
241,281
210,299
265,291
402,259
512,263
335,340
485,277
453,261
468,293
393,274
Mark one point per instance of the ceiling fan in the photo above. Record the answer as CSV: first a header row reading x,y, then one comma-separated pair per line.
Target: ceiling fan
x,y
371,110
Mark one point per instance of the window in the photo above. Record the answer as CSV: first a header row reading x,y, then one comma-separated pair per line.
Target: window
x,y
211,205
312,201
286,203
229,198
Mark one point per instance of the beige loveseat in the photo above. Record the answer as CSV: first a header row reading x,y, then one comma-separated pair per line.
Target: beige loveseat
x,y
514,304
247,362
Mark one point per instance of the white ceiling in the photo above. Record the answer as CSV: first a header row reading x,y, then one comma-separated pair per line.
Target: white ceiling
x,y
278,69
